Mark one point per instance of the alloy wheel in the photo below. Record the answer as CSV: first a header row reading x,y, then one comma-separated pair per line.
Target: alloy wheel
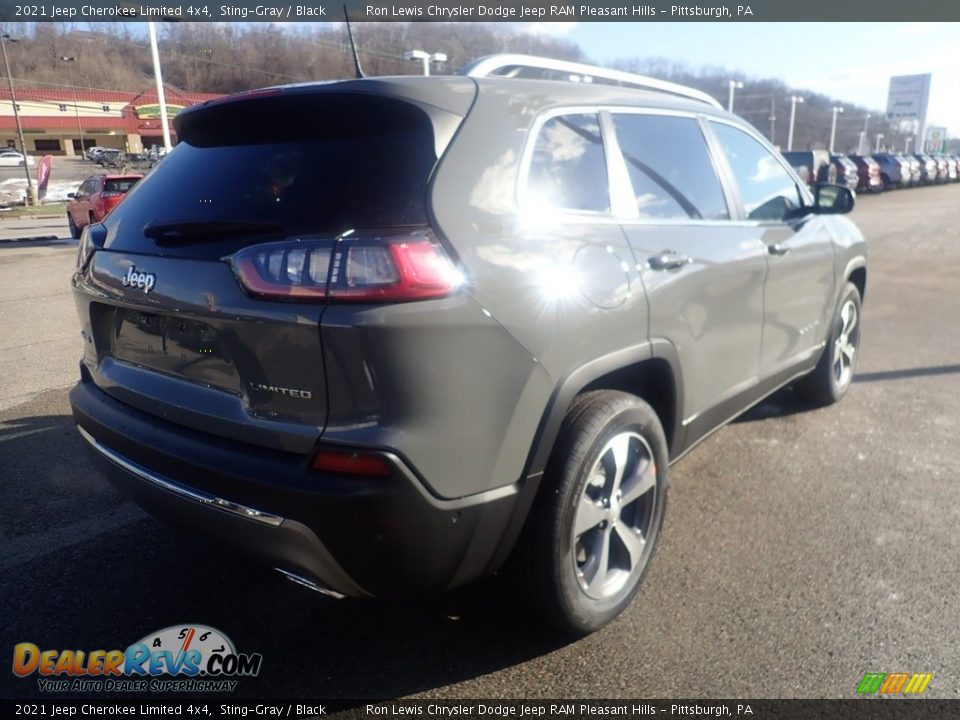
x,y
845,345
614,516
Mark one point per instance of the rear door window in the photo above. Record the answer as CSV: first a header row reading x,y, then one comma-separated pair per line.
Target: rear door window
x,y
767,190
670,168
568,170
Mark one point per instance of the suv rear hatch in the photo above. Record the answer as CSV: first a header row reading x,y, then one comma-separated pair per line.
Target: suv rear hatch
x,y
264,184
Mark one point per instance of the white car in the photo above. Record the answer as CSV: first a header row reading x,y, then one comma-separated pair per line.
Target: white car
x,y
11,158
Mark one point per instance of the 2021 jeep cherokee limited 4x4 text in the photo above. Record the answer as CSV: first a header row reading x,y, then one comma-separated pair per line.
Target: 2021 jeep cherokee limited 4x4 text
x,y
390,332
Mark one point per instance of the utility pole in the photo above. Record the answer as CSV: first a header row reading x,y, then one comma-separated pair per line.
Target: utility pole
x,y
31,193
76,102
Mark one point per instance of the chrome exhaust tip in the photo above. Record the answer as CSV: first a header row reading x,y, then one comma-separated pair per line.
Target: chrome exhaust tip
x,y
311,584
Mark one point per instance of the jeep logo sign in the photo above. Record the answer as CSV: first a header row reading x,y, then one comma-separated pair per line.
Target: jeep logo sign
x,y
144,281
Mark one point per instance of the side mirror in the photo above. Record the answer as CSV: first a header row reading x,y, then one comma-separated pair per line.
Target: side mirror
x,y
830,199
71,195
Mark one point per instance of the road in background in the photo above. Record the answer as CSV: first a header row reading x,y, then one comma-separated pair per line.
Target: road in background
x,y
801,548
42,227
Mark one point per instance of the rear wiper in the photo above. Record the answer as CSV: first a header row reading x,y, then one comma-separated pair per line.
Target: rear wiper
x,y
172,231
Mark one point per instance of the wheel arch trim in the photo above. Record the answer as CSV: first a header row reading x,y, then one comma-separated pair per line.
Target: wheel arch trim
x,y
556,410
581,377
854,263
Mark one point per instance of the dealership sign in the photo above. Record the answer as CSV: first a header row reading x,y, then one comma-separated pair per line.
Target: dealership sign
x,y
935,140
907,98
43,176
148,112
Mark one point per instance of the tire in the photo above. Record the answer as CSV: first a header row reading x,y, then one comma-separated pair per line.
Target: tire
x,y
611,447
831,378
74,230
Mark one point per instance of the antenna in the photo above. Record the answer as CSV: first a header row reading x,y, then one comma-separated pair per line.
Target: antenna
x,y
353,44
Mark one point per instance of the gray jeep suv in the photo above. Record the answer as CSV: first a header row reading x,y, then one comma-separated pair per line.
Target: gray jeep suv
x,y
392,334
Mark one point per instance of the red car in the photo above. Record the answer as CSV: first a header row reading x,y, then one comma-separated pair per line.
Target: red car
x,y
96,196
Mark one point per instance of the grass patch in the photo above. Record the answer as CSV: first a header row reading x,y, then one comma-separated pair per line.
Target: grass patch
x,y
57,208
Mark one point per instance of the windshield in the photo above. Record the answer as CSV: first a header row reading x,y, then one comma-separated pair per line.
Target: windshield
x,y
120,186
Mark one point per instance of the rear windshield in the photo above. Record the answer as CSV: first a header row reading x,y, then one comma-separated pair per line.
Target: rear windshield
x,y
121,186
318,163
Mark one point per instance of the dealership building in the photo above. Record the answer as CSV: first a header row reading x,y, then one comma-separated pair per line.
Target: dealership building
x,y
55,120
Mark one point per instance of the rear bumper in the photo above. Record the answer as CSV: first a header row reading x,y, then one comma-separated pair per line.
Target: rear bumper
x,y
352,536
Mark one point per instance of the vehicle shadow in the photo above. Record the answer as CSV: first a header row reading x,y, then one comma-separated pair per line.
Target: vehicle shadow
x,y
782,403
786,402
32,242
85,569
906,373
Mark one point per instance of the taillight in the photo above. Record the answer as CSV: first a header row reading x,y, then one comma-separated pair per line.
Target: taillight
x,y
352,463
91,239
367,268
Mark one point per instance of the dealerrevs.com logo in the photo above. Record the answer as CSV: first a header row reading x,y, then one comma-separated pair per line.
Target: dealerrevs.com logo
x,y
180,658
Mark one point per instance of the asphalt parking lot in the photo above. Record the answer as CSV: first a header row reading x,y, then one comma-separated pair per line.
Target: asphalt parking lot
x,y
801,548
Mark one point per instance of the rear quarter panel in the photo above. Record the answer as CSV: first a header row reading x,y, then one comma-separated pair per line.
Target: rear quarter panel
x,y
564,287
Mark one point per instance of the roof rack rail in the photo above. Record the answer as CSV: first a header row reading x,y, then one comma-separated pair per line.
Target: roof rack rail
x,y
496,65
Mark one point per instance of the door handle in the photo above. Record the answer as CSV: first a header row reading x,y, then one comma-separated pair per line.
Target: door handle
x,y
668,260
778,249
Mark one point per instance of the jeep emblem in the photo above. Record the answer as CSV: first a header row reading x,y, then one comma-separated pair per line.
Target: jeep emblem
x,y
143,280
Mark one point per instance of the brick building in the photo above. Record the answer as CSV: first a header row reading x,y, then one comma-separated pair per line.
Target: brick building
x,y
53,119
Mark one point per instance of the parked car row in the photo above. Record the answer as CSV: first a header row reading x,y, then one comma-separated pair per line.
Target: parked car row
x,y
111,156
877,172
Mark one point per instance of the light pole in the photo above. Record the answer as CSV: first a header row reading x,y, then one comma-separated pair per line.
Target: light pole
x,y
794,99
161,98
773,120
734,85
76,102
864,145
906,145
877,146
425,57
833,126
31,196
